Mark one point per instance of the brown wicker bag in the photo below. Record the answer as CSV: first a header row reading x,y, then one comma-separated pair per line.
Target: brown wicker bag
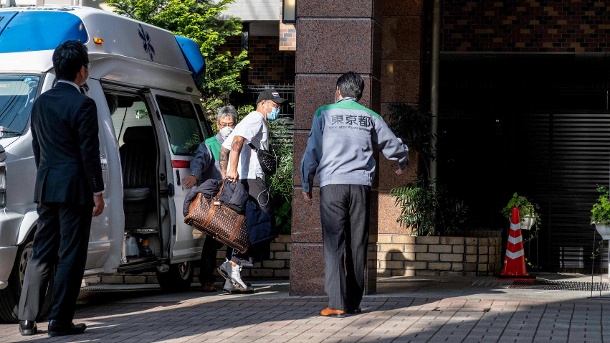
x,y
218,221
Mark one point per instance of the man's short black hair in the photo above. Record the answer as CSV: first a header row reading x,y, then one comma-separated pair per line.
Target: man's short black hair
x,y
68,58
351,85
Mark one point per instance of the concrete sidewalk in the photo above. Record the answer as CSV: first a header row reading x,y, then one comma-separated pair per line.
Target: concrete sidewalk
x,y
556,308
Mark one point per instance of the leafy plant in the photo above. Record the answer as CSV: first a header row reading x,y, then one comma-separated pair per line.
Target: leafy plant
x,y
243,111
192,143
425,207
428,210
283,218
281,182
600,212
525,206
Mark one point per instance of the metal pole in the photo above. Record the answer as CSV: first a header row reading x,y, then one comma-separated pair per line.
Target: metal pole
x,y
436,35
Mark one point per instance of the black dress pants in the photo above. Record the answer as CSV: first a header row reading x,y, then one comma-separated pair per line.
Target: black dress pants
x,y
344,212
61,240
208,259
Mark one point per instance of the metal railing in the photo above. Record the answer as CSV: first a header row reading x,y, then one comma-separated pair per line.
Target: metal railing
x,y
286,91
286,117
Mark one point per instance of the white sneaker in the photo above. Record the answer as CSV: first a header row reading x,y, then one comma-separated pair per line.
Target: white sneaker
x,y
249,289
225,269
228,287
236,279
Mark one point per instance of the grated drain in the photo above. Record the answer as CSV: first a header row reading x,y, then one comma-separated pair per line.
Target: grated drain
x,y
545,284
562,285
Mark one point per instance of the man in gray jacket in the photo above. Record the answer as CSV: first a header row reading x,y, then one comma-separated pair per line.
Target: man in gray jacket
x,y
340,151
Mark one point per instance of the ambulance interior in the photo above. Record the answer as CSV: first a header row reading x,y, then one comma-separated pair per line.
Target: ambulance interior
x,y
138,149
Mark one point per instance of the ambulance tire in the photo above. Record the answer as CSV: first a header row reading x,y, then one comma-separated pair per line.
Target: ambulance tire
x,y
9,297
177,279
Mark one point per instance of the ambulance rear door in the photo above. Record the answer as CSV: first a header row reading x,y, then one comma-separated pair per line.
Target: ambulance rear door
x,y
180,117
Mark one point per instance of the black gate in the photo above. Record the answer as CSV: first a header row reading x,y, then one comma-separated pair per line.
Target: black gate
x,y
538,125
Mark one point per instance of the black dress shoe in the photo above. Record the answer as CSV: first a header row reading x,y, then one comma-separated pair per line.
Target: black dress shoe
x,y
27,327
354,311
58,329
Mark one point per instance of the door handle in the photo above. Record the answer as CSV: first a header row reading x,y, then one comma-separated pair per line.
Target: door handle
x,y
103,161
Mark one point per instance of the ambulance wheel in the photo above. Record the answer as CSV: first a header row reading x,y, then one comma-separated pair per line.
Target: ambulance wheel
x,y
9,297
178,278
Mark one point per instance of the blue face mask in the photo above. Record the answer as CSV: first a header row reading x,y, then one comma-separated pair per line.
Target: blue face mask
x,y
273,114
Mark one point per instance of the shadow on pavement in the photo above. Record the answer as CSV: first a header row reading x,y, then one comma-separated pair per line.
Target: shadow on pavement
x,y
470,309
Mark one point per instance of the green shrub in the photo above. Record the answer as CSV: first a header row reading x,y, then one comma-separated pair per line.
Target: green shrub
x,y
281,182
429,211
526,207
600,212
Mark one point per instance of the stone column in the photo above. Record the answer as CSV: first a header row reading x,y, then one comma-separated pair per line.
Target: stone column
x,y
332,38
401,81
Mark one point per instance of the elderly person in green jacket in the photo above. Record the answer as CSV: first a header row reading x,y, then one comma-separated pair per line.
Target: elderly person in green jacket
x,y
204,166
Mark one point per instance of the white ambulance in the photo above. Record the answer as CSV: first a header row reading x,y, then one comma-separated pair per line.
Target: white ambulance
x,y
150,119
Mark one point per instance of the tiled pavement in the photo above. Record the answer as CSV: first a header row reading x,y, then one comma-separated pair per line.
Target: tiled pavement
x,y
557,308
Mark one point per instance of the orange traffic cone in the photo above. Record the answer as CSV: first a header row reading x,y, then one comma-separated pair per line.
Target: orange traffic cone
x,y
514,260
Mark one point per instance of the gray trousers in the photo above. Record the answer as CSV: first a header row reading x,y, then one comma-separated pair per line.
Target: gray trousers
x,y
344,211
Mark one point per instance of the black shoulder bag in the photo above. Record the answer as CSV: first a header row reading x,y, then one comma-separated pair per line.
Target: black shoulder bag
x,y
266,158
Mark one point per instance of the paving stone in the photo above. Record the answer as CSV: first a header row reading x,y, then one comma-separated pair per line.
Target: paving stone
x,y
441,309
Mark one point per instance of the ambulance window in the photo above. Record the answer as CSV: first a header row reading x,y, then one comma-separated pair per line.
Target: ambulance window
x,y
205,124
128,111
181,125
17,95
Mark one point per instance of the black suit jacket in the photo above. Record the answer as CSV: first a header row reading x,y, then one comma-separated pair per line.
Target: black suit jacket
x,y
66,146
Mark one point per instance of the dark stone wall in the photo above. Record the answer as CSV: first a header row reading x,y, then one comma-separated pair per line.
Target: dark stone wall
x,y
525,26
268,65
331,40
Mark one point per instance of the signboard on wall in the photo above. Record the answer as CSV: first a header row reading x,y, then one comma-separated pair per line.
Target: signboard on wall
x,y
288,34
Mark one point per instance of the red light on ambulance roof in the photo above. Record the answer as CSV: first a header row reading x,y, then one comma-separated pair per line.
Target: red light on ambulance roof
x,y
98,40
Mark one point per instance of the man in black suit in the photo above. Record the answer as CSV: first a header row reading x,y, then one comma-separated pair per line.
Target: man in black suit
x,y
68,186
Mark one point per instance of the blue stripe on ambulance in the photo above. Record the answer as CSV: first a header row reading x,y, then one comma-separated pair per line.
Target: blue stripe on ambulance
x,y
5,17
35,31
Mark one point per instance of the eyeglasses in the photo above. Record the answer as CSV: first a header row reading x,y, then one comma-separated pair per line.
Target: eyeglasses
x,y
87,65
221,125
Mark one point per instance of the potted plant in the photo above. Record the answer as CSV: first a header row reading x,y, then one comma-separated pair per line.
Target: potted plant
x,y
426,207
527,211
428,210
600,213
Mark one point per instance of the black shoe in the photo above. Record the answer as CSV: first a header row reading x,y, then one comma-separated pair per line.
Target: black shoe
x,y
248,290
57,329
27,327
354,311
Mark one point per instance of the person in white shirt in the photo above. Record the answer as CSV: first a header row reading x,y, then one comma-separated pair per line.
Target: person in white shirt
x,y
238,162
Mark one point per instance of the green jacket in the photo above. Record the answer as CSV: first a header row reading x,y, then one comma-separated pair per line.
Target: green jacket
x,y
214,146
